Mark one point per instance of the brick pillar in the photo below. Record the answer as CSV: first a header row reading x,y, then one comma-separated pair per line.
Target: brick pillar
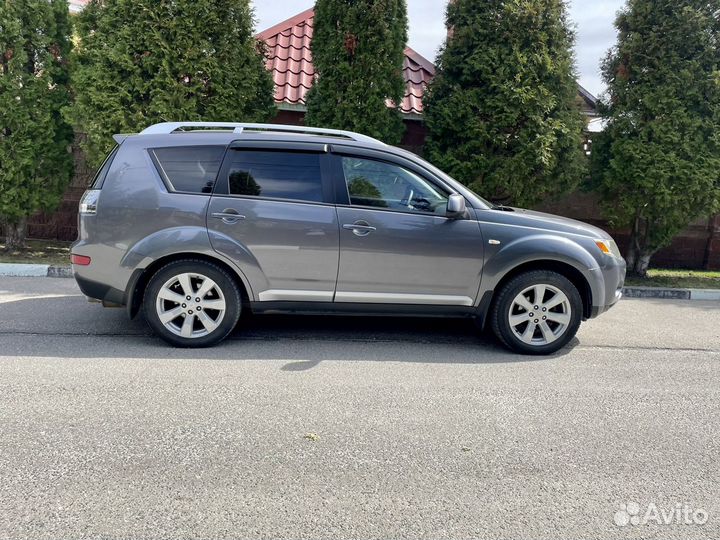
x,y
712,252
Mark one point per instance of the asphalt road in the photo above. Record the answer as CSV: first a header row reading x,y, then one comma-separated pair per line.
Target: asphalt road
x,y
319,427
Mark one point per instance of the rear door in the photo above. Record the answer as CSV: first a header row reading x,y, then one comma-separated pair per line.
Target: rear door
x,y
272,213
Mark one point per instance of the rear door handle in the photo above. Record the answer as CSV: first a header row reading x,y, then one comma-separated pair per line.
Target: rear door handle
x,y
359,228
228,216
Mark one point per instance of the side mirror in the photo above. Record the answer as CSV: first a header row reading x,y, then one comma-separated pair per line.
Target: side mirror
x,y
456,206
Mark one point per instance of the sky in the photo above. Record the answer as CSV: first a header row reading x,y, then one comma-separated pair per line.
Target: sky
x,y
593,20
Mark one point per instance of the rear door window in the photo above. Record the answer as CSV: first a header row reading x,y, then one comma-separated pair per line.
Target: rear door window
x,y
275,174
189,169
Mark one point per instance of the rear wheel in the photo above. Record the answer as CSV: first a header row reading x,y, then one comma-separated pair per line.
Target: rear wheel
x,y
192,303
537,312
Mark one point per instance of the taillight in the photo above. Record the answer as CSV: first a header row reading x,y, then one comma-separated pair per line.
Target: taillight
x,y
88,203
80,260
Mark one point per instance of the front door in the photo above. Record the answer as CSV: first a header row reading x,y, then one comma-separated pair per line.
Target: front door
x,y
272,213
396,243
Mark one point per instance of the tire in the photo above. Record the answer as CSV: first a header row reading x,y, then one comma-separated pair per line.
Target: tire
x,y
206,318
528,326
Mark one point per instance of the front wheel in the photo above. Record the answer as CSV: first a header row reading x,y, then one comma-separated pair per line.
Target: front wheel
x,y
537,312
192,303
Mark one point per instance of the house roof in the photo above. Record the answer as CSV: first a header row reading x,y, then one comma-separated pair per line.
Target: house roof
x,y
290,61
289,57
590,99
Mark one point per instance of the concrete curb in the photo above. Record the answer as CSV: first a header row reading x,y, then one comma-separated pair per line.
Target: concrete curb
x,y
60,271
35,270
672,294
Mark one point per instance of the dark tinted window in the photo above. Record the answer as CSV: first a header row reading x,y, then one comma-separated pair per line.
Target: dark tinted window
x,y
191,169
102,172
280,175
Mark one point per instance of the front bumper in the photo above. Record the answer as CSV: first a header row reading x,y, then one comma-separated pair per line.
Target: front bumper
x,y
613,275
599,310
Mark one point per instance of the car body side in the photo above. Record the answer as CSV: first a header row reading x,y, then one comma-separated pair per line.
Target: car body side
x,y
145,224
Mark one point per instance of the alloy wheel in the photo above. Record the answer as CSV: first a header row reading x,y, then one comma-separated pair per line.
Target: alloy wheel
x,y
540,315
190,305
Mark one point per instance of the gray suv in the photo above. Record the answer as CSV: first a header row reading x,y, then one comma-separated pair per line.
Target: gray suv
x,y
194,222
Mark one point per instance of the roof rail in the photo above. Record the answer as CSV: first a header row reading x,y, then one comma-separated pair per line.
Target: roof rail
x,y
171,127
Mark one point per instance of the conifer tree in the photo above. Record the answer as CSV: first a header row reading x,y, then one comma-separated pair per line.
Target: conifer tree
x,y
658,163
502,112
358,52
141,62
35,158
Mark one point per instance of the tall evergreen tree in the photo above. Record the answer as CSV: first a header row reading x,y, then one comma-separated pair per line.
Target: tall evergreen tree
x,y
658,163
502,112
35,159
358,51
140,62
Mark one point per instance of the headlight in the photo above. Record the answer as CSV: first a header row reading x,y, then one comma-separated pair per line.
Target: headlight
x,y
609,247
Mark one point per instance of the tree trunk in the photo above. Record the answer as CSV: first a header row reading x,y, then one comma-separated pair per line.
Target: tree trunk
x,y
633,246
15,235
642,264
632,254
639,254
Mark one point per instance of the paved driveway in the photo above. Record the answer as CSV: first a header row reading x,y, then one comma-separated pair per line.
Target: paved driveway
x,y
352,427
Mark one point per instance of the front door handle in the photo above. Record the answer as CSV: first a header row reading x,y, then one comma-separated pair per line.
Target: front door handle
x,y
228,216
360,228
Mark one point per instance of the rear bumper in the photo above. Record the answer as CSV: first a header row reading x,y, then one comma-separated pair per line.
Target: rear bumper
x,y
100,291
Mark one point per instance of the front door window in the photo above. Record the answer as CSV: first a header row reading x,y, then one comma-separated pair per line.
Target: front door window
x,y
376,184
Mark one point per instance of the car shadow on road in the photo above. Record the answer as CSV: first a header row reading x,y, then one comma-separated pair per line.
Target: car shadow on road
x,y
302,341
400,339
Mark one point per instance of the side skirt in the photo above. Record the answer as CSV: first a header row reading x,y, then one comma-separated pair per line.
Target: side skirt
x,y
362,309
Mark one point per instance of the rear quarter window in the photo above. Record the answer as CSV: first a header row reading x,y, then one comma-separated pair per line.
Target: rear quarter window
x,y
189,169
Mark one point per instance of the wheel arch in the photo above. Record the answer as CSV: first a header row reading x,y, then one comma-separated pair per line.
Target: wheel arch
x,y
141,277
569,271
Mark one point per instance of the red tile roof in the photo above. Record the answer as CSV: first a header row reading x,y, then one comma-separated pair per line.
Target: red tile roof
x,y
290,60
418,72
